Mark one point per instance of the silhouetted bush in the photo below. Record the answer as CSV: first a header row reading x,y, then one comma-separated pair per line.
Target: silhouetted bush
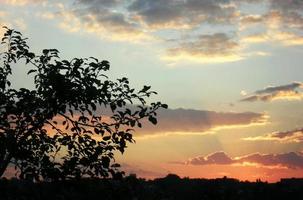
x,y
171,187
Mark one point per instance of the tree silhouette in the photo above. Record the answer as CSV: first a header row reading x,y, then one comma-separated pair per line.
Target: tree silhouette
x,y
74,120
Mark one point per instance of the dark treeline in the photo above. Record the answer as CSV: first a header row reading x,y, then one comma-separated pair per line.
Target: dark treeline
x,y
170,187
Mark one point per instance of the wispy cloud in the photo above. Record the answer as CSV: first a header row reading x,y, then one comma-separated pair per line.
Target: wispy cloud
x,y
289,160
283,92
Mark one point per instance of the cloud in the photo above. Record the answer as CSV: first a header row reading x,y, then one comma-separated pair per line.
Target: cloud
x,y
99,18
289,160
281,24
5,20
284,12
292,136
2,22
187,121
179,14
255,38
181,121
288,87
251,19
219,158
217,47
288,38
287,6
161,20
100,3
278,27
284,38
271,93
23,2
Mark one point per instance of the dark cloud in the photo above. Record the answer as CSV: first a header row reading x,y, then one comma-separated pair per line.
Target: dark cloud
x,y
272,89
287,19
99,3
288,92
106,18
288,134
187,120
279,21
218,45
289,160
177,13
292,136
168,14
287,5
219,158
282,22
103,18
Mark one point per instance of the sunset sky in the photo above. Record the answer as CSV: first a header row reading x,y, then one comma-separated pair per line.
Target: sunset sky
x,y
231,72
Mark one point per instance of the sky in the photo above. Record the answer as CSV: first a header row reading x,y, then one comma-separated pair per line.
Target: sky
x,y
230,71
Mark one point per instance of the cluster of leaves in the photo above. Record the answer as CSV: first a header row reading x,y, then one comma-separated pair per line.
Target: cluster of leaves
x,y
74,120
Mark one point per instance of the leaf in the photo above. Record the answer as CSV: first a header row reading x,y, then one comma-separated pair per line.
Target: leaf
x,y
31,71
152,119
71,112
164,106
145,89
45,51
105,138
93,106
132,123
105,162
113,106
